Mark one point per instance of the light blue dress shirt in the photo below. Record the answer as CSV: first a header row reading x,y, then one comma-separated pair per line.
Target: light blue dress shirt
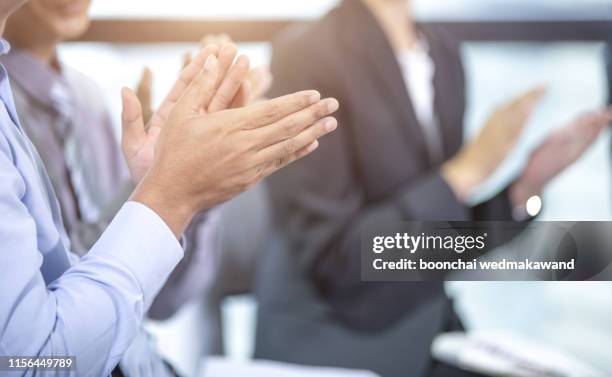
x,y
51,303
72,131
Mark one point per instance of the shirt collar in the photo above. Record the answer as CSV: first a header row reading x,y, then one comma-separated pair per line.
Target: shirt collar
x,y
5,47
6,97
420,47
39,81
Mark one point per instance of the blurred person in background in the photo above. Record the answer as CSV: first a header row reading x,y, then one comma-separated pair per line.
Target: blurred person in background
x,y
399,156
91,308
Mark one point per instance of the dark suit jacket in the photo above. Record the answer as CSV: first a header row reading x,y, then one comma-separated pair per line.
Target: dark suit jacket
x,y
375,168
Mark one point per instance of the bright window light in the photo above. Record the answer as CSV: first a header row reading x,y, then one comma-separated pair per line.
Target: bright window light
x,y
425,9
268,9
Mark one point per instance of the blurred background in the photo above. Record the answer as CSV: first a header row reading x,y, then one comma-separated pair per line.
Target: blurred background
x,y
552,49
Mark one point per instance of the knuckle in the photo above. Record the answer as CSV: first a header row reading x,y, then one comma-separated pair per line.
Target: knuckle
x,y
222,98
206,90
251,179
303,100
260,173
242,183
272,112
242,123
234,80
291,127
316,132
280,162
242,187
241,163
289,146
208,78
323,129
320,111
246,183
254,178
249,148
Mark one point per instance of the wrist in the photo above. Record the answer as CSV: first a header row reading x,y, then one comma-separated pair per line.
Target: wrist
x,y
171,207
460,178
526,201
520,192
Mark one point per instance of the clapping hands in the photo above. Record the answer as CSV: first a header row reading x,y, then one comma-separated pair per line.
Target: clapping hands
x,y
231,91
203,147
257,81
559,150
477,160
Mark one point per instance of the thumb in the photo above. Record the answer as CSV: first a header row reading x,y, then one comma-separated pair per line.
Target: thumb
x,y
592,124
144,94
526,104
187,59
132,124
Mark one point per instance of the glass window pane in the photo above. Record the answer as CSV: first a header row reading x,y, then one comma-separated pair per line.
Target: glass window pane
x,y
576,79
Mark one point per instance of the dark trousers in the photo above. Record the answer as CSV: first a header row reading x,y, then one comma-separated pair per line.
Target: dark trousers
x,y
118,373
443,370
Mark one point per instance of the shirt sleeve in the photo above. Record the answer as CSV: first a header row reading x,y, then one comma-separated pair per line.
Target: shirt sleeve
x,y
93,310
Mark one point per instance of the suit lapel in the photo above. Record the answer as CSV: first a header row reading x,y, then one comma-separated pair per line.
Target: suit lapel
x,y
449,101
382,63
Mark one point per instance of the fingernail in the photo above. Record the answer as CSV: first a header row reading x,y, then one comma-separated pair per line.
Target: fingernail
x,y
314,97
229,48
330,125
332,105
244,60
124,93
313,146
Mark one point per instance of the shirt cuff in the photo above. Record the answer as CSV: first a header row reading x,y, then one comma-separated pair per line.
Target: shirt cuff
x,y
141,241
431,199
